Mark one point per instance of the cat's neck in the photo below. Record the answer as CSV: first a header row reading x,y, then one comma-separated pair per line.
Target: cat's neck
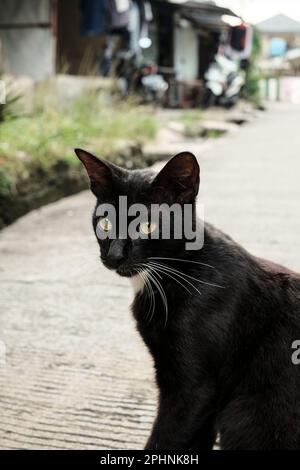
x,y
137,283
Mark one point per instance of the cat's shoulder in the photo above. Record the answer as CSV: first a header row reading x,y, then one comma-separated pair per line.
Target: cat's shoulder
x,y
275,268
288,279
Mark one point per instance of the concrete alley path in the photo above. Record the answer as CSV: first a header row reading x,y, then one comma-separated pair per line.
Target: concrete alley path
x,y
76,374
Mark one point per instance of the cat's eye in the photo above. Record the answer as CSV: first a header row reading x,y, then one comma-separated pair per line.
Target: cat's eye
x,y
146,228
105,224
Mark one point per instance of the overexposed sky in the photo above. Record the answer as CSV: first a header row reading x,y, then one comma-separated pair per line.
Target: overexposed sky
x,y
258,10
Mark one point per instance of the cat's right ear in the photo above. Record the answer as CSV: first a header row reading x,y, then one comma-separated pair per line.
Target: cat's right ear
x,y
99,172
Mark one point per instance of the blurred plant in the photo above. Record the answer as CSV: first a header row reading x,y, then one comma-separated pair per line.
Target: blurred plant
x,y
6,183
8,110
191,116
37,142
253,77
37,161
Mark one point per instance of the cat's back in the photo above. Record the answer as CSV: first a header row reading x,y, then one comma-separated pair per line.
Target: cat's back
x,y
284,279
275,268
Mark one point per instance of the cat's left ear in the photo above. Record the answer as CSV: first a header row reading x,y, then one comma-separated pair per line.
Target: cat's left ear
x,y
179,179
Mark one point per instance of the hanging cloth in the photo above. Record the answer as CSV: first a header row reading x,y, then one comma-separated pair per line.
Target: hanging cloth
x,y
146,16
94,17
134,27
238,37
119,14
240,42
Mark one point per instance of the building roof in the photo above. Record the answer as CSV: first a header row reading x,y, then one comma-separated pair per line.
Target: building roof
x,y
279,24
203,13
199,5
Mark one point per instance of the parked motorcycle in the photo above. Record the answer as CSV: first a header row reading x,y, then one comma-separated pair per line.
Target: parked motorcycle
x,y
224,82
152,85
143,80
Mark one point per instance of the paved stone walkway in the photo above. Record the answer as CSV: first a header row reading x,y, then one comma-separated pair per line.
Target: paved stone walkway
x,y
76,374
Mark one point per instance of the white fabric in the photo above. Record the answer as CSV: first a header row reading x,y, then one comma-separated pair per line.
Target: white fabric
x,y
122,5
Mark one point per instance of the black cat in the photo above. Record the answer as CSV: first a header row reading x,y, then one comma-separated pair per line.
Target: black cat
x,y
219,322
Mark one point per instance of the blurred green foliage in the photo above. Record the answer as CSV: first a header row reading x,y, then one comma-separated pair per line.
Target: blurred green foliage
x,y
253,77
38,141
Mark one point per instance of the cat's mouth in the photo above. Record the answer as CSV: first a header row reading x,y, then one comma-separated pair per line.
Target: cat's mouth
x,y
125,271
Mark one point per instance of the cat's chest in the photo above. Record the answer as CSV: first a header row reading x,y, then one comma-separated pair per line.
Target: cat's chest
x,y
156,307
138,284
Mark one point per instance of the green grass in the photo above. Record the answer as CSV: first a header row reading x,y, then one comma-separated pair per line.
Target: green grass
x,y
192,116
37,142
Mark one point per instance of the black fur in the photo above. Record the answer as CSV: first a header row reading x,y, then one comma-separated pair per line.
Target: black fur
x,y
223,358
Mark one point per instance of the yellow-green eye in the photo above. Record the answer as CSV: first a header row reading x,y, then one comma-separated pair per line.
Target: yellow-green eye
x,y
105,224
146,228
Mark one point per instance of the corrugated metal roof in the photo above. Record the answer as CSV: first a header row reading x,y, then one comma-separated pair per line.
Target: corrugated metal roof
x,y
204,14
209,21
200,7
279,24
207,4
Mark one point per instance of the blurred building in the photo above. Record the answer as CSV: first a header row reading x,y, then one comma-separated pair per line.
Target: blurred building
x,y
279,33
27,37
40,38
280,62
44,37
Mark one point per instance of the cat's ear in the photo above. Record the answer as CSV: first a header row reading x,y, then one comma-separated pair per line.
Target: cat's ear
x,y
101,173
179,179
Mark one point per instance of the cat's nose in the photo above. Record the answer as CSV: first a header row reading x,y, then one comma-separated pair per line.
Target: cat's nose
x,y
115,255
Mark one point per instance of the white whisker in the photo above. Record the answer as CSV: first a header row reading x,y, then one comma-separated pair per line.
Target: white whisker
x,y
176,273
184,261
149,291
170,275
192,277
160,289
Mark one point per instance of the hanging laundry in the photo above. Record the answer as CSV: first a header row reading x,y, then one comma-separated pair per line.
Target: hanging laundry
x,y
119,14
238,37
108,55
134,27
146,11
146,15
94,17
240,42
122,5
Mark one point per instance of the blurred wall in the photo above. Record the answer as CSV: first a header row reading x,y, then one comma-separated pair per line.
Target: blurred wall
x,y
27,40
76,54
186,54
292,39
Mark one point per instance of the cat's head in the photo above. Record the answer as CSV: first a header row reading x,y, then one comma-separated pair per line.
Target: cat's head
x,y
128,241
